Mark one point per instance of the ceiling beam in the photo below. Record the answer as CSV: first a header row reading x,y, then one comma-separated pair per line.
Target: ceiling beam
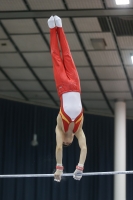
x,y
66,13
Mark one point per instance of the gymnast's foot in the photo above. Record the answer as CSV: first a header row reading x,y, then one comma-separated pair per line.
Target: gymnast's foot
x,y
58,21
51,22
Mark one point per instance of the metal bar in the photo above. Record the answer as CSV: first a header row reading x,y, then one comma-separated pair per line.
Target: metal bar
x,y
67,13
66,174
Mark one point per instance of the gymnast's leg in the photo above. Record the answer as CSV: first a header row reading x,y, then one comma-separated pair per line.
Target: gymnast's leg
x,y
71,99
70,67
58,66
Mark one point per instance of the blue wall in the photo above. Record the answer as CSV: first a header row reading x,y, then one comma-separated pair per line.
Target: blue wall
x,y
17,156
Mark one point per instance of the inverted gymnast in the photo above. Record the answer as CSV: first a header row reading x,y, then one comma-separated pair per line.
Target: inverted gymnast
x,y
70,117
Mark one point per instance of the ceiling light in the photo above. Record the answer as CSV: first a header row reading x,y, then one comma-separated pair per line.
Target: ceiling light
x,y
122,2
132,58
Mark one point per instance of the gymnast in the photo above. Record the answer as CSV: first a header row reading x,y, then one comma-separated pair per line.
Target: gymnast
x,y
70,117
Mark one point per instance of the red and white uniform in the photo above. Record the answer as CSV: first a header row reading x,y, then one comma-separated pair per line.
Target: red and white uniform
x,y
66,79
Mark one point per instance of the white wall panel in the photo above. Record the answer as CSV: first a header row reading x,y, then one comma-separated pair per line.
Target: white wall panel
x,y
102,58
2,34
85,4
86,24
90,86
119,86
14,5
38,59
19,74
11,60
110,73
29,85
21,26
30,42
45,5
125,42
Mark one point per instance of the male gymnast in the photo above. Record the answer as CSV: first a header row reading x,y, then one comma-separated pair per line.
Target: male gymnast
x,y
70,117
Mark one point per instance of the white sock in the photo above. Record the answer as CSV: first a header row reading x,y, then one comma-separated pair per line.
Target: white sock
x,y
51,22
58,21
59,164
80,165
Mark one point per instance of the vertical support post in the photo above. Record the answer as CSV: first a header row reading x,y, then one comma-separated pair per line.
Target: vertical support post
x,y
120,150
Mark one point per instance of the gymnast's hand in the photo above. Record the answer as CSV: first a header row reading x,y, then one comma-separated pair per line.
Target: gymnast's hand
x,y
58,173
78,173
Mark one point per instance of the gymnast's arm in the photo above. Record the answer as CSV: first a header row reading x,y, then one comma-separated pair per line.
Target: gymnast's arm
x,y
59,141
82,144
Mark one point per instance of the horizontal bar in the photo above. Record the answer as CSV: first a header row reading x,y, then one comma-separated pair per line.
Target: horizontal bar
x,y
66,174
66,13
